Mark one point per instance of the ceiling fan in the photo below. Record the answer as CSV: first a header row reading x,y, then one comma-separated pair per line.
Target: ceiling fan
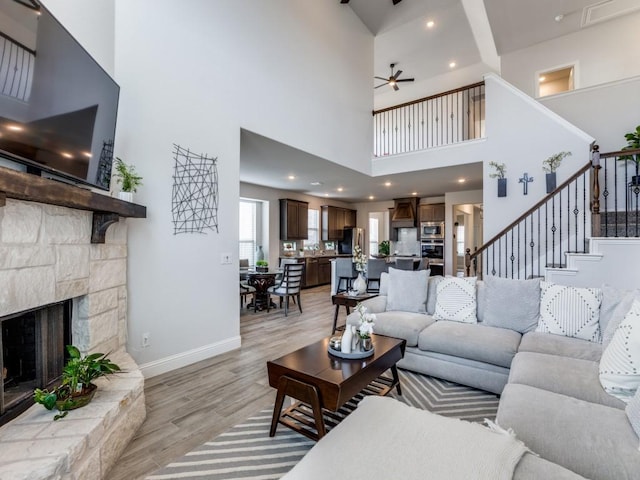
x,y
393,80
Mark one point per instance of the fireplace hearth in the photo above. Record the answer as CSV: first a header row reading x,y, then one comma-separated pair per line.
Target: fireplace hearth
x,y
33,354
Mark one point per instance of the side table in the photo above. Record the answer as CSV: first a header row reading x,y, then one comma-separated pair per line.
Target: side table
x,y
343,298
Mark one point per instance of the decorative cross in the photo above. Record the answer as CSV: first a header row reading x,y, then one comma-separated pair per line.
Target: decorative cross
x,y
525,181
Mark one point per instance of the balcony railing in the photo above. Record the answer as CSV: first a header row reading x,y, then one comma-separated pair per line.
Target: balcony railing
x,y
17,63
444,119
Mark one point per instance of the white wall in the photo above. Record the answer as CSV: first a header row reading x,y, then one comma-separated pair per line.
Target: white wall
x,y
603,52
194,73
606,112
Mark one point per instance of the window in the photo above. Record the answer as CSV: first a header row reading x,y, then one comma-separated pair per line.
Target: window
x,y
248,237
313,231
556,81
373,236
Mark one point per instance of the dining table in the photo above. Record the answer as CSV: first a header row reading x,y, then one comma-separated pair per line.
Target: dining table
x,y
261,281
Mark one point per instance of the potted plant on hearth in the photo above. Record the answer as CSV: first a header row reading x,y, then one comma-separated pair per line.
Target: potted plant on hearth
x,y
501,170
550,165
126,176
76,389
633,143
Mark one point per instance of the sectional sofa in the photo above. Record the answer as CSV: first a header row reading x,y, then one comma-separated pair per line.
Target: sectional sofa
x,y
545,349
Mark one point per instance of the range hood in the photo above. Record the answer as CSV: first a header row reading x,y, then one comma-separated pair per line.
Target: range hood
x,y
404,213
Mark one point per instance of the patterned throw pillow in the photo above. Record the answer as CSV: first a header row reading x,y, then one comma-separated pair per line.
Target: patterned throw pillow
x,y
633,413
456,300
620,362
570,311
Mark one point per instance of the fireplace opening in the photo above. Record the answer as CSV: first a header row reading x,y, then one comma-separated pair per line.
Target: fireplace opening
x,y
33,354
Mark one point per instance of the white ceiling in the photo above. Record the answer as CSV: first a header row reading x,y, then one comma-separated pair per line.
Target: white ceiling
x,y
402,37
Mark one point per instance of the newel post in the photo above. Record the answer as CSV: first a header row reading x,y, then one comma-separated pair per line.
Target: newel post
x,y
467,261
595,200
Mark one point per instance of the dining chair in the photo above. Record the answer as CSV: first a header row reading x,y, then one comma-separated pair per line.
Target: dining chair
x,y
245,291
289,286
375,268
345,271
404,263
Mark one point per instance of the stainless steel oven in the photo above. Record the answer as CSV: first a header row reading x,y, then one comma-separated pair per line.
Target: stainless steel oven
x,y
431,230
433,250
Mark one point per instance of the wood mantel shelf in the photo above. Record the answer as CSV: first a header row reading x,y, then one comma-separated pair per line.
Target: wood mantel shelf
x,y
32,188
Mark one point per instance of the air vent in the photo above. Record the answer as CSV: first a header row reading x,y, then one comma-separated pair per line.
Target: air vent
x,y
607,10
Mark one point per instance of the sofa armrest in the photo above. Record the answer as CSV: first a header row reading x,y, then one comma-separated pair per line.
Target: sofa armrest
x,y
376,304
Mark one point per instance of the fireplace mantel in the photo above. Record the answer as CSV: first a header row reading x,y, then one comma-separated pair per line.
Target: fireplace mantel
x,y
32,188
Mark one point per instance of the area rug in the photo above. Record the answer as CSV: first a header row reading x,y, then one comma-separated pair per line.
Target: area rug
x,y
247,452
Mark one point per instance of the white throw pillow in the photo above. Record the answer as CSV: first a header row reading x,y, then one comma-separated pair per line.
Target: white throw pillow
x,y
407,290
456,300
570,311
620,362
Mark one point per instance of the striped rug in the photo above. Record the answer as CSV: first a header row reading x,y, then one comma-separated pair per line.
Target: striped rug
x,y
247,452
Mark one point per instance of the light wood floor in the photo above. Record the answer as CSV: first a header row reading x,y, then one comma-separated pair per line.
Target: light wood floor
x,y
189,406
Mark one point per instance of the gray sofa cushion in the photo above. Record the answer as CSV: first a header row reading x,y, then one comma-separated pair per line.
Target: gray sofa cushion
x,y
633,413
593,440
616,309
432,293
568,376
405,325
471,340
532,467
511,303
407,290
559,345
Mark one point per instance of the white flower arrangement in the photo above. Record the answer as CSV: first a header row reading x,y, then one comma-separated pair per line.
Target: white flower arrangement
x,y
367,321
359,259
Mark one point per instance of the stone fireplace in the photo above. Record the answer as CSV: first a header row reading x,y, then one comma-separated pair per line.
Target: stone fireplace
x,y
48,255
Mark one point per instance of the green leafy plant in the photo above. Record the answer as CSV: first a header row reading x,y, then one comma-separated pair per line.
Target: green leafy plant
x,y
262,263
633,143
77,375
384,247
551,164
501,170
126,176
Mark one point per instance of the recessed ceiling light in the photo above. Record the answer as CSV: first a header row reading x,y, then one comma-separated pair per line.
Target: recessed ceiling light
x,y
542,78
66,155
291,177
414,193
558,18
315,184
371,197
387,184
452,65
340,189
87,154
15,128
326,194
430,24
461,180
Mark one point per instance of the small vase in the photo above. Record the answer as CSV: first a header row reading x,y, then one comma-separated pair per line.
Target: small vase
x,y
347,338
260,254
551,181
366,344
360,284
126,196
502,187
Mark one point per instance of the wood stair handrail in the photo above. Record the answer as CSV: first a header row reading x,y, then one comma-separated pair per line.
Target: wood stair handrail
x,y
544,200
621,153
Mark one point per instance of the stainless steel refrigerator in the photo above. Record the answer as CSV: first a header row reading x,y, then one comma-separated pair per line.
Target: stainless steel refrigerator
x,y
350,238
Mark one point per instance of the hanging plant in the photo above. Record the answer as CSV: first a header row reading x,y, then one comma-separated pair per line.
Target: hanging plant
x,y
500,172
550,165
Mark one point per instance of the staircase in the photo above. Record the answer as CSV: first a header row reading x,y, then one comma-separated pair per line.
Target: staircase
x,y
583,232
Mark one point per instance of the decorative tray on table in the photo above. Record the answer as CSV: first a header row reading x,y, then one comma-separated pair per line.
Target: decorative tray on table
x,y
351,356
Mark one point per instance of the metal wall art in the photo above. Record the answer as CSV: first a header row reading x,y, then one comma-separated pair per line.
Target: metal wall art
x,y
194,203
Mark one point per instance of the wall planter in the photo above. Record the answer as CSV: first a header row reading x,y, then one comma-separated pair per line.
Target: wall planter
x,y
502,187
551,181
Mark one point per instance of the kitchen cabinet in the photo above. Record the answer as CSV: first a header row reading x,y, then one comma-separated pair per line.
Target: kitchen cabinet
x,y
324,271
335,220
432,212
294,219
311,272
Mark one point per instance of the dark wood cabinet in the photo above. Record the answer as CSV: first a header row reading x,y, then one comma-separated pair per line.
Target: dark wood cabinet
x,y
311,272
294,219
432,212
335,220
324,271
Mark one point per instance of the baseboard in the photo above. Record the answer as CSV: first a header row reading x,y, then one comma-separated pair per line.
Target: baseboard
x,y
179,360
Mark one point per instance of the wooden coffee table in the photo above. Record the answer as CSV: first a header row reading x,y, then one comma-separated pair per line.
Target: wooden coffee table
x,y
321,381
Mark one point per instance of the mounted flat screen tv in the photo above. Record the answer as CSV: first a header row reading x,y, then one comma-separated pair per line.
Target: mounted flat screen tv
x,y
58,107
